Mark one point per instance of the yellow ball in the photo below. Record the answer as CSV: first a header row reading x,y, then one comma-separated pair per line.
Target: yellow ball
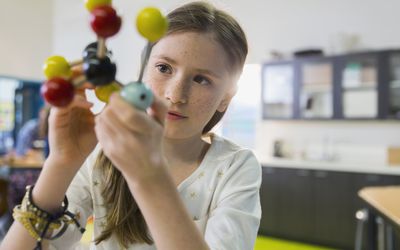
x,y
56,66
151,24
91,4
104,92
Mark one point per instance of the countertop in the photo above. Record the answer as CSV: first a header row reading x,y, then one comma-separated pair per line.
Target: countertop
x,y
328,166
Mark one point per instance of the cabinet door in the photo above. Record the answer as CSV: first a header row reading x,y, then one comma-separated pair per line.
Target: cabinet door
x,y
394,86
390,180
296,207
359,86
27,101
278,91
333,211
7,118
269,195
316,89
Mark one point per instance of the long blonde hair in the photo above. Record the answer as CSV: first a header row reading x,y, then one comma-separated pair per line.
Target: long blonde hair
x,y
124,218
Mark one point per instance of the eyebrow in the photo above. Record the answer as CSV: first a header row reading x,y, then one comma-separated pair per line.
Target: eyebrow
x,y
202,71
166,58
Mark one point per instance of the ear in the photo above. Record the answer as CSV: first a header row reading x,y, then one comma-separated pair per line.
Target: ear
x,y
227,99
223,105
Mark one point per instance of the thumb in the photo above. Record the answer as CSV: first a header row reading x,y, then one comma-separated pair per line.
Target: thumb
x,y
158,109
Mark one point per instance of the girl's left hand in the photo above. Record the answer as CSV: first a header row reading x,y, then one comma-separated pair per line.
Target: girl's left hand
x,y
131,138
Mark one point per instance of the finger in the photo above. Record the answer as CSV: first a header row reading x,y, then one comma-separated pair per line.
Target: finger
x,y
130,117
77,102
80,102
158,109
105,129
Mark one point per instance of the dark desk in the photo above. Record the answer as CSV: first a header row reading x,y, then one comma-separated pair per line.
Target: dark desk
x,y
19,172
16,174
22,163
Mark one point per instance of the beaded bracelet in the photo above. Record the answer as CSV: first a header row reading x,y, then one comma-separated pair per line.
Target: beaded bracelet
x,y
41,224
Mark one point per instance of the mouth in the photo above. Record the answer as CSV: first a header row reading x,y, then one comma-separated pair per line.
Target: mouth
x,y
176,115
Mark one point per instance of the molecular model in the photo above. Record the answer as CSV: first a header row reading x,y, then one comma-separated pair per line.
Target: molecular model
x,y
98,69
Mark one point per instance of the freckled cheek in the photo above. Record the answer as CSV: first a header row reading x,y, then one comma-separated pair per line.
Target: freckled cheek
x,y
156,87
204,108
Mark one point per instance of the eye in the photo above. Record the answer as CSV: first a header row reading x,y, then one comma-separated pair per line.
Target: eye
x,y
164,68
201,80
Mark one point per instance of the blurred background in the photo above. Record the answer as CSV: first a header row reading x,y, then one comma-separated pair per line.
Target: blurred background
x,y
318,102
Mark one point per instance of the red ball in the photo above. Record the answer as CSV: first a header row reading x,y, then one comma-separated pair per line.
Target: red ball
x,y
57,91
104,21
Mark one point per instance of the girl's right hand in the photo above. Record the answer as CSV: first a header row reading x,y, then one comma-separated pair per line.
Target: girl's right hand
x,y
71,131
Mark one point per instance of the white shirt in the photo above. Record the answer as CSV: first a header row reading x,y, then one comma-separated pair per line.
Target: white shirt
x,y
221,195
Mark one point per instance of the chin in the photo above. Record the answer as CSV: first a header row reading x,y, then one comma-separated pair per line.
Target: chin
x,y
176,133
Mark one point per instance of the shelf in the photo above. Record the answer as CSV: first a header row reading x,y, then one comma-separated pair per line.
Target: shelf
x,y
316,87
361,88
280,104
321,91
394,84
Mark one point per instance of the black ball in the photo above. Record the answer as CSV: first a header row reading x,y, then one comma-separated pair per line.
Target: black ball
x,y
99,71
91,51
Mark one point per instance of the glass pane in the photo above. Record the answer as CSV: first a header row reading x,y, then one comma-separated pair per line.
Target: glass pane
x,y
7,110
8,87
359,86
394,87
239,123
278,91
316,90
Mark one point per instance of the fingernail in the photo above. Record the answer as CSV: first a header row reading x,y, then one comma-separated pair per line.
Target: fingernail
x,y
113,95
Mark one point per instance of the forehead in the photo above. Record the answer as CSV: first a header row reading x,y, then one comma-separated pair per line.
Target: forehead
x,y
197,50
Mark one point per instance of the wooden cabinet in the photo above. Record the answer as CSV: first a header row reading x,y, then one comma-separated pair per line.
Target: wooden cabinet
x,y
314,206
353,86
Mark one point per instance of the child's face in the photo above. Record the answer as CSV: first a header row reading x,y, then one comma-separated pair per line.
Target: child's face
x,y
192,72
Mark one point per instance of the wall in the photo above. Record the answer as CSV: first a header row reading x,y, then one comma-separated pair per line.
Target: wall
x,y
290,24
283,25
359,143
26,33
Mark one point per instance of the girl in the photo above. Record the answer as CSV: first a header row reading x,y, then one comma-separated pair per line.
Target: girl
x,y
158,180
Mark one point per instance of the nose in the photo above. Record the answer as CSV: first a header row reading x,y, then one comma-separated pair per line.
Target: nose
x,y
177,91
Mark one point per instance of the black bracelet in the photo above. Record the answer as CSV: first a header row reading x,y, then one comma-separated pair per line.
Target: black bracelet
x,y
37,221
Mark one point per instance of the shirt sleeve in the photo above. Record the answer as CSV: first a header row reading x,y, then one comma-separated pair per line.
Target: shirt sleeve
x,y
235,211
80,201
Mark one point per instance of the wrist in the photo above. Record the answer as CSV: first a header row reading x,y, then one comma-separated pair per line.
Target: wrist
x,y
61,162
145,179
